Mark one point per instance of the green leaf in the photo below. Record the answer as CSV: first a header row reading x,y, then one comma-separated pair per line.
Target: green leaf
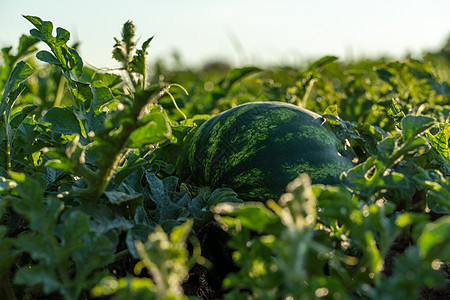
x,y
63,121
61,163
105,218
438,187
105,79
138,63
238,74
73,228
8,254
139,232
18,118
102,96
434,242
30,192
408,219
440,141
47,57
33,244
395,111
376,263
414,125
386,147
155,130
321,63
200,206
19,74
38,275
363,178
438,201
123,50
132,164
253,215
47,31
171,205
221,195
76,63
116,197
180,233
36,21
62,36
26,45
393,180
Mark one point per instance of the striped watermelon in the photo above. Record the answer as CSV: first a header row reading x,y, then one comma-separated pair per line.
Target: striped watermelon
x,y
259,147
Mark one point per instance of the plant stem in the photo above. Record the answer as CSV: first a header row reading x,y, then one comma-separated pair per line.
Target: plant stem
x,y
308,91
7,288
60,92
119,144
8,150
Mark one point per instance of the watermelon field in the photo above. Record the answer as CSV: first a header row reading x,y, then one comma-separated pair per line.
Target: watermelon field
x,y
325,180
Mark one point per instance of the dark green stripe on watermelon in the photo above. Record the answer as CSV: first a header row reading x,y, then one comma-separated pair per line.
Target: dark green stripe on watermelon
x,y
259,147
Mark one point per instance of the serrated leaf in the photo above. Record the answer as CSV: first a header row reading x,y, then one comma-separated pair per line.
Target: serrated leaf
x,y
38,275
8,254
395,111
96,252
139,232
105,218
101,97
132,164
33,244
440,141
438,200
171,205
106,80
37,34
117,197
155,130
62,120
62,36
222,195
82,91
18,118
138,63
438,187
47,31
386,147
36,21
19,74
414,125
76,63
74,227
26,45
30,192
393,180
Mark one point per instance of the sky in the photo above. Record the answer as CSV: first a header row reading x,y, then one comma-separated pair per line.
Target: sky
x,y
241,32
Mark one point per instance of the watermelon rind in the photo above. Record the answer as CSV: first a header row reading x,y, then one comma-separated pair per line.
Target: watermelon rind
x,y
259,147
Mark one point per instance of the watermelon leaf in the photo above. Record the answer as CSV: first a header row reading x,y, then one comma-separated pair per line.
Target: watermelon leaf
x,y
155,130
414,125
440,142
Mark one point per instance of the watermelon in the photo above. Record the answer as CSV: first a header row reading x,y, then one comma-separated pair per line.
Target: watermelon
x,y
259,147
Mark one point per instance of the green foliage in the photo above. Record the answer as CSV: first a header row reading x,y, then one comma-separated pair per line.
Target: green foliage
x,y
91,205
